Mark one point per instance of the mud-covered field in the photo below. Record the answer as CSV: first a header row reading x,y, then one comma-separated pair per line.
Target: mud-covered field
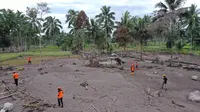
x,y
110,89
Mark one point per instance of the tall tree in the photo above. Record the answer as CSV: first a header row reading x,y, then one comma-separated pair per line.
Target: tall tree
x,y
43,8
106,17
95,34
192,21
123,29
34,21
52,26
170,5
140,32
71,17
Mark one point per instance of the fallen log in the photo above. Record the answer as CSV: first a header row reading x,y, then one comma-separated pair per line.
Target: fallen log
x,y
181,62
8,89
94,88
114,99
7,96
173,102
95,108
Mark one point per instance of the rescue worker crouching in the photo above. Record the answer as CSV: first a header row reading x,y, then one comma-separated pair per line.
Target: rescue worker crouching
x,y
60,97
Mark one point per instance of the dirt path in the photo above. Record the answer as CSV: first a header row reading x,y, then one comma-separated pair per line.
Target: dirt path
x,y
110,90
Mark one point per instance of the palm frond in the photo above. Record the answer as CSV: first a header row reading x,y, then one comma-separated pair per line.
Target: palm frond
x,y
161,5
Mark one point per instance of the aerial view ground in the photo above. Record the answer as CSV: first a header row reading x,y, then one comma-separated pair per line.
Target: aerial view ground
x,y
111,88
100,56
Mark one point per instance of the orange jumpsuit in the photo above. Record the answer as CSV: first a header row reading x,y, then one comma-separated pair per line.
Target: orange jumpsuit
x,y
29,60
16,77
132,69
60,97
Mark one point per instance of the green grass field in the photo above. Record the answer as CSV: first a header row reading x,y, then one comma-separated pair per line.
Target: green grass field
x,y
48,51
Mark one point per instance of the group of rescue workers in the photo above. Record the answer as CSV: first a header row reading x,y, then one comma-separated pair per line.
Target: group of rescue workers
x,y
61,93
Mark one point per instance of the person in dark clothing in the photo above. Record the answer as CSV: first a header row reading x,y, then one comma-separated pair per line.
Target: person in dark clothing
x,y
164,82
60,97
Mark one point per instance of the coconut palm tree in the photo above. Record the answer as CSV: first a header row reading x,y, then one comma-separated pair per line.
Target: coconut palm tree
x,y
192,21
107,18
123,29
71,17
140,32
170,5
52,26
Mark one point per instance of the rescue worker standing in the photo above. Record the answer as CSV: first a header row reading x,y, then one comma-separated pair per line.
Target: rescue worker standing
x,y
15,77
60,97
29,60
164,84
132,69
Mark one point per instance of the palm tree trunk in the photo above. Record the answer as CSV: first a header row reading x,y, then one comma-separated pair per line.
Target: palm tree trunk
x,y
191,43
141,50
106,41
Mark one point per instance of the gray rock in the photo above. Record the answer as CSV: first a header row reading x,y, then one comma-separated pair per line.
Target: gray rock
x,y
194,96
195,78
8,107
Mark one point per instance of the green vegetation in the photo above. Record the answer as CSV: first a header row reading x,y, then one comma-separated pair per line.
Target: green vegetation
x,y
48,51
172,29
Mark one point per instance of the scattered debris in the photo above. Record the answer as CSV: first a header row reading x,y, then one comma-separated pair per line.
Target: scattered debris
x,y
8,96
119,61
61,65
156,60
153,93
30,100
114,99
39,69
9,68
20,69
95,108
157,94
85,84
155,72
173,102
195,78
94,88
42,73
194,96
113,54
74,97
76,70
94,63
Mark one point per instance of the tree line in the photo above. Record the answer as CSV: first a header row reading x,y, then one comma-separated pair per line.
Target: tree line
x,y
172,24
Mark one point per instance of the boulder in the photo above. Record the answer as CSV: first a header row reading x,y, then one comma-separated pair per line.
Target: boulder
x,y
195,78
2,110
8,107
194,96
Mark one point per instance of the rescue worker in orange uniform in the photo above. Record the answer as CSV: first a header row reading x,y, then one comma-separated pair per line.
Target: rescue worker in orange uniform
x,y
132,69
60,97
15,77
29,60
136,66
